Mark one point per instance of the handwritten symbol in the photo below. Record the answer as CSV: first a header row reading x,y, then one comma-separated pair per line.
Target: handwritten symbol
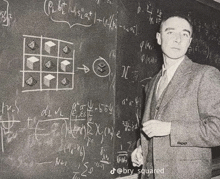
x,y
101,63
125,71
51,8
5,16
85,68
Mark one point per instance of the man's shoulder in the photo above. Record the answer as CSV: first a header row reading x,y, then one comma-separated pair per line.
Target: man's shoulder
x,y
197,67
205,72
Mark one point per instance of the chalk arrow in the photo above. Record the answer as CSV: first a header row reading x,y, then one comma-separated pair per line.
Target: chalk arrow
x,y
85,68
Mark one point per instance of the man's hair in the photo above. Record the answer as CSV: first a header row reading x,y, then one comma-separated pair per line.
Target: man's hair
x,y
176,14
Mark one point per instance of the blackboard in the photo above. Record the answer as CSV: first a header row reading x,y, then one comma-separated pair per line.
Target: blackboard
x,y
138,59
57,91
72,81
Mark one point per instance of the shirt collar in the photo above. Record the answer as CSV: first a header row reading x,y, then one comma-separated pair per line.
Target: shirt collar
x,y
172,69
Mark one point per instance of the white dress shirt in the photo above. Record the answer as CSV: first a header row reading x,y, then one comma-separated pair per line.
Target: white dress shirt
x,y
170,72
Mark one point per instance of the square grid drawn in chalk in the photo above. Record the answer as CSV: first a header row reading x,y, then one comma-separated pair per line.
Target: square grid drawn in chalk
x,y
48,64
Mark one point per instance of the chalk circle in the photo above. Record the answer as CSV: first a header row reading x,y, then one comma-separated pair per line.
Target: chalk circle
x,y
95,64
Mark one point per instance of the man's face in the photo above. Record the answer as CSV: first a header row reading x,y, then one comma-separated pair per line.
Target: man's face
x,y
175,37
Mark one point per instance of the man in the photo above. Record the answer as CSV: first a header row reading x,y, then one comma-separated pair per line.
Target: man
x,y
182,111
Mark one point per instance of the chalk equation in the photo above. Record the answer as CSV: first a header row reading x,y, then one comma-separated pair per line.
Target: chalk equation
x,y
48,64
65,137
199,46
7,122
210,30
130,74
123,154
61,11
5,15
154,15
53,125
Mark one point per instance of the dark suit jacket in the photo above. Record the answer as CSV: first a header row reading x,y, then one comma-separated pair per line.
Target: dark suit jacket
x,y
191,102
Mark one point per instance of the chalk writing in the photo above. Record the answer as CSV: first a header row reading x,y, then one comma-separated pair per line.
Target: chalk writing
x,y
148,59
146,45
100,165
60,11
154,15
129,125
53,7
210,31
5,16
75,176
131,146
84,68
133,29
48,112
132,102
122,154
125,71
105,1
199,46
80,111
7,121
55,131
122,157
50,131
71,148
60,162
86,17
129,74
104,155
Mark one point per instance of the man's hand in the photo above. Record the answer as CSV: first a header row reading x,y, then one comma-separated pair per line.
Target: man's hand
x,y
156,128
137,157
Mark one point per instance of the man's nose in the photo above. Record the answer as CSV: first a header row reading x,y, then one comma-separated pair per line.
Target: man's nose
x,y
177,37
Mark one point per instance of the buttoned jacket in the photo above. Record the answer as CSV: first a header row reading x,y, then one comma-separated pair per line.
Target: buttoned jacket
x,y
191,102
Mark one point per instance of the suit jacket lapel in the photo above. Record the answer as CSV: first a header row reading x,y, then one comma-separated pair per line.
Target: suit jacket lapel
x,y
149,96
179,78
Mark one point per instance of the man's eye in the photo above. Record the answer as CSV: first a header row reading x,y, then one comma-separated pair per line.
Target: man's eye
x,y
169,32
186,35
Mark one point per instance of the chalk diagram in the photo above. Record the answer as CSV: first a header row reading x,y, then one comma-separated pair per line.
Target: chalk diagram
x,y
48,64
101,67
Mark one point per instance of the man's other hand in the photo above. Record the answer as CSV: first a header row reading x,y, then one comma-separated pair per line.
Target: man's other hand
x,y
154,128
137,157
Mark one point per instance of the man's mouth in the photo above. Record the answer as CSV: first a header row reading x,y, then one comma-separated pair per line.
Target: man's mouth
x,y
175,48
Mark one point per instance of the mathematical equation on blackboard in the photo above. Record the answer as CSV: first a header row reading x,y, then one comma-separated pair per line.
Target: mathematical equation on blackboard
x,y
53,131
5,15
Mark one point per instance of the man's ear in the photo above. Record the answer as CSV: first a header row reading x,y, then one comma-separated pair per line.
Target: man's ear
x,y
190,40
158,36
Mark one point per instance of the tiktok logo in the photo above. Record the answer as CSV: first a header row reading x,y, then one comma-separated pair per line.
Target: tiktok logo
x,y
113,171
